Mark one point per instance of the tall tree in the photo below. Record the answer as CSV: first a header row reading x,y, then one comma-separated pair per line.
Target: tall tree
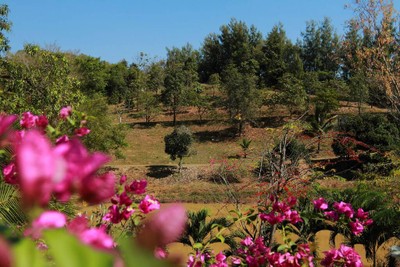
x,y
117,83
38,80
319,47
5,26
180,77
377,21
242,96
237,44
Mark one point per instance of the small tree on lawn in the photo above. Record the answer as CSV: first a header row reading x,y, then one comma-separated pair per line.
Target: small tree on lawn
x,y
177,144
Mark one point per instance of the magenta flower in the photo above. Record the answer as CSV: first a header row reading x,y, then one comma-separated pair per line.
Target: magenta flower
x,y
42,121
293,216
82,131
331,215
38,167
96,189
149,204
356,227
28,120
62,139
46,220
272,217
160,253
344,256
65,112
361,214
344,208
122,180
165,226
137,187
320,204
97,238
10,174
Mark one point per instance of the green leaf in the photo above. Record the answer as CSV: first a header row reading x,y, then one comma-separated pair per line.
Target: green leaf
x,y
197,245
221,238
27,255
282,247
67,251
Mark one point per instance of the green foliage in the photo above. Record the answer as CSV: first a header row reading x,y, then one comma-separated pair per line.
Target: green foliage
x,y
375,130
319,47
5,26
242,97
39,81
117,88
177,144
149,104
11,212
293,94
180,77
105,135
236,44
201,231
92,74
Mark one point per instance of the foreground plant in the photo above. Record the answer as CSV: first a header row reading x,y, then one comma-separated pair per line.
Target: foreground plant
x,y
43,171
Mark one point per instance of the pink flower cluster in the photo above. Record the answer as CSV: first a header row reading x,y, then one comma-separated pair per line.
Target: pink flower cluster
x,y
358,220
198,260
255,253
282,211
121,208
42,170
95,237
344,256
29,120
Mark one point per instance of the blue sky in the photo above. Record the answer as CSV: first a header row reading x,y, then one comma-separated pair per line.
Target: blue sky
x,y
121,29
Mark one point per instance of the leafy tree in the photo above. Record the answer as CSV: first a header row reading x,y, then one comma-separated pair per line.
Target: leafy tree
x,y
237,45
359,89
319,47
279,56
38,80
293,94
92,74
377,22
117,87
177,144
155,81
5,26
242,97
104,136
150,106
180,77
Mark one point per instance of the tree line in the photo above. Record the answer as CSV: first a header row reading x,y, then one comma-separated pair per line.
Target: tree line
x,y
237,69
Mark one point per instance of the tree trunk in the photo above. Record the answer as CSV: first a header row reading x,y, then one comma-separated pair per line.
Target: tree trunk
x,y
174,117
180,165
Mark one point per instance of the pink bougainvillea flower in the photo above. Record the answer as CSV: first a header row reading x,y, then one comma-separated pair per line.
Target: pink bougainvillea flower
x,y
162,229
78,224
331,215
65,112
293,216
320,204
113,215
272,217
137,187
97,238
148,204
28,120
248,241
46,220
160,253
5,123
62,139
122,180
356,227
10,174
361,214
38,168
42,121
344,208
96,189
82,131
344,256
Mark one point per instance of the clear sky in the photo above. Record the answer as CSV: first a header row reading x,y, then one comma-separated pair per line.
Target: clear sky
x,y
121,29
